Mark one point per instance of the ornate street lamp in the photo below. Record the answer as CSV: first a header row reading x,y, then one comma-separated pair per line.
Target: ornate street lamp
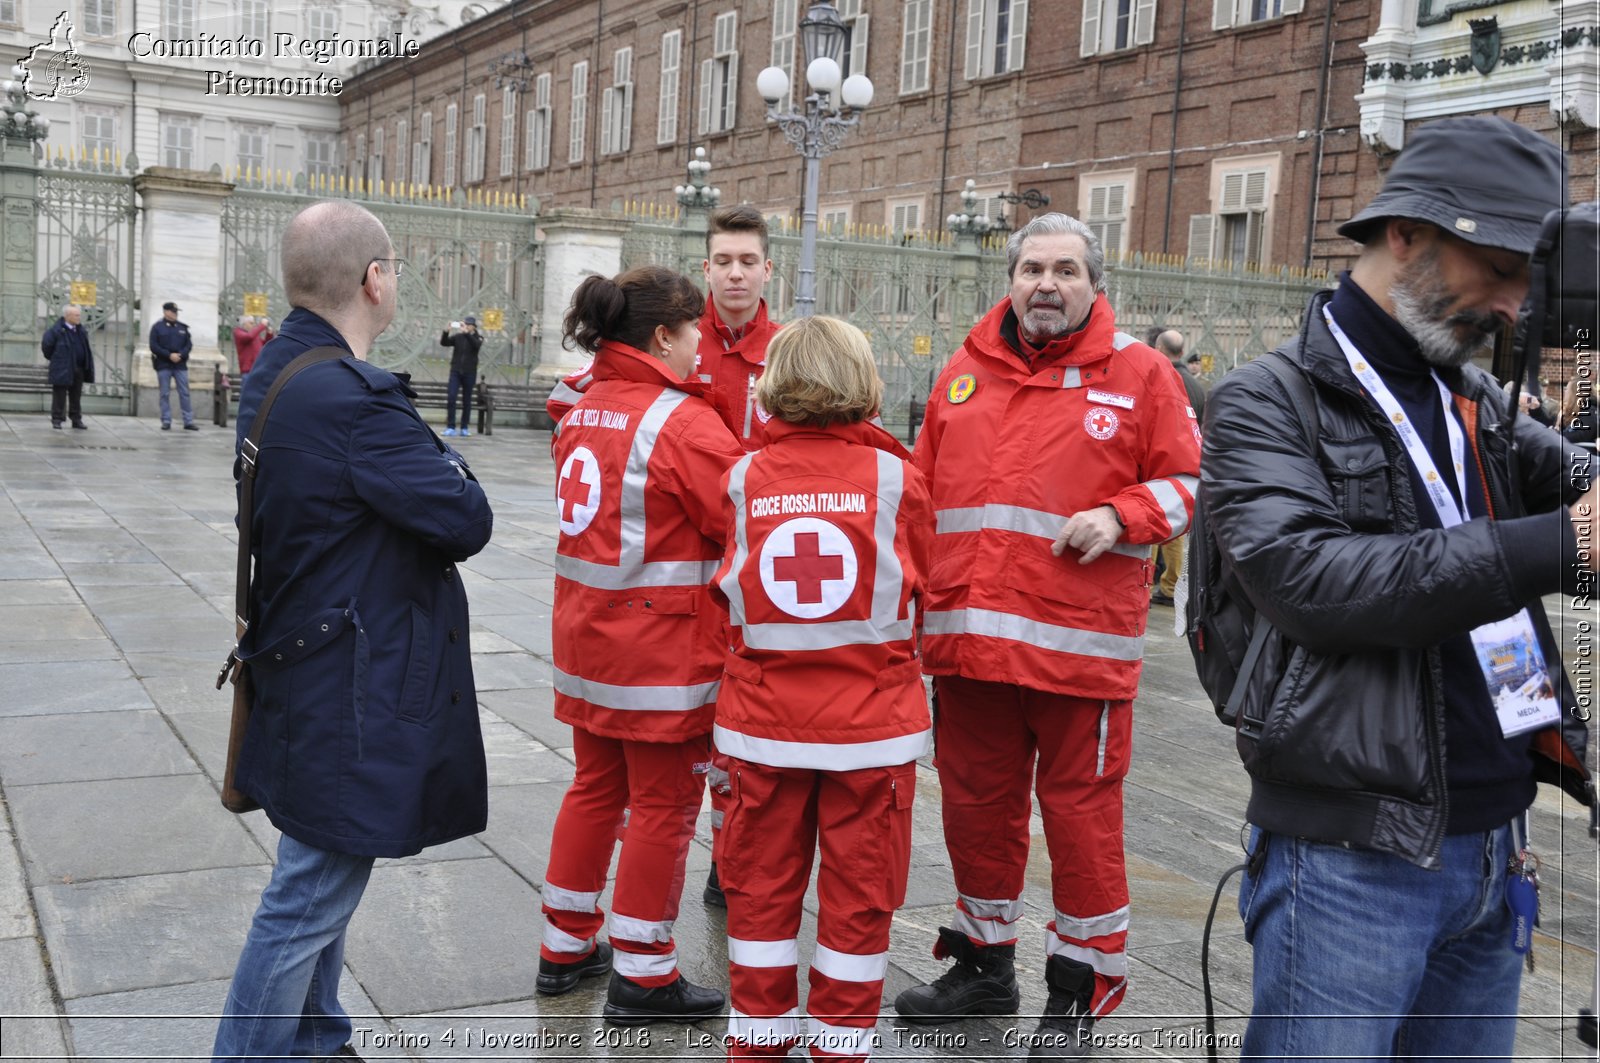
x,y
969,222
833,106
698,193
18,121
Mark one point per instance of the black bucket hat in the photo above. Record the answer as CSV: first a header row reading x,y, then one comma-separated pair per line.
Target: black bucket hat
x,y
1485,180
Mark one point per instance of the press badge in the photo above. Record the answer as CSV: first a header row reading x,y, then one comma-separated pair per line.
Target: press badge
x,y
1514,669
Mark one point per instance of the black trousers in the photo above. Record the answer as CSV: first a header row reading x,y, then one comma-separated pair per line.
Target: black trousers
x,y
67,399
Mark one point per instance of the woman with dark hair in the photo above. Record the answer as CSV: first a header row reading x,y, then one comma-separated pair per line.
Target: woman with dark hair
x,y
637,645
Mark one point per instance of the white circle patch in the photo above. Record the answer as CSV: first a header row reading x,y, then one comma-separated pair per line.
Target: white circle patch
x,y
1100,422
578,490
808,567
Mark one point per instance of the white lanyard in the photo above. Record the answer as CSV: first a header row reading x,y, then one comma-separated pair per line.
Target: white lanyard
x,y
1450,512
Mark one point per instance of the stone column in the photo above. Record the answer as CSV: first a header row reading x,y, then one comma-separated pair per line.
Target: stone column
x,y
1575,70
180,258
19,196
1383,98
577,243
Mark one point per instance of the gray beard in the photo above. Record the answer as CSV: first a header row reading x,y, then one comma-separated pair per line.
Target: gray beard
x,y
1039,328
1419,313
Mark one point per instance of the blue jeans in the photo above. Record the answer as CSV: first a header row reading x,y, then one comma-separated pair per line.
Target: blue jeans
x,y
284,1001
1360,954
166,375
464,382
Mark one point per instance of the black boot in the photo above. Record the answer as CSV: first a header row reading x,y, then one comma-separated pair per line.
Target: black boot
x,y
630,1004
1064,1027
713,894
982,982
557,978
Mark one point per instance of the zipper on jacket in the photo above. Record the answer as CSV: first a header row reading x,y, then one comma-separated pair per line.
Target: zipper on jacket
x,y
749,405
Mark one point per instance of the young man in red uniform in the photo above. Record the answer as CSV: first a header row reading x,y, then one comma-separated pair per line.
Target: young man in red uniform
x,y
821,715
1034,628
734,333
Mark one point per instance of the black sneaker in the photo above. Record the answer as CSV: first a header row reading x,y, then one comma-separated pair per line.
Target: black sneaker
x,y
982,982
713,894
1063,1031
1161,599
166,428
56,425
347,1052
80,424
191,428
557,978
630,1004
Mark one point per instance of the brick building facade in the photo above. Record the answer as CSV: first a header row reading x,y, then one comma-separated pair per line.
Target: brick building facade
x,y
1240,129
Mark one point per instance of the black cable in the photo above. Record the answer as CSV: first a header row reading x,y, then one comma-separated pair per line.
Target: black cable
x,y
1205,962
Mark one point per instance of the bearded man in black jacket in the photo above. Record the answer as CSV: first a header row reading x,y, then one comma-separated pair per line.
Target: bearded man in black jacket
x,y
1409,696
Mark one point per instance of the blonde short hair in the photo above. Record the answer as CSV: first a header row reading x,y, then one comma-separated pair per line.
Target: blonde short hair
x,y
820,372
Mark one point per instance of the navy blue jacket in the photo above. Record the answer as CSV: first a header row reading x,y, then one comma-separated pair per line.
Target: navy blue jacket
x,y
67,351
166,338
364,739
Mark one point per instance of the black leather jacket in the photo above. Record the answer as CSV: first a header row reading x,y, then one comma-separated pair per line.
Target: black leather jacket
x,y
1349,690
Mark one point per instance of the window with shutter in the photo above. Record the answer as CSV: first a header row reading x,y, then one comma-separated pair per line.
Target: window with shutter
x,y
1111,25
1243,199
857,26
719,76
1225,13
422,154
578,126
1202,236
997,33
1104,207
667,101
375,164
402,149
450,145
540,123
915,44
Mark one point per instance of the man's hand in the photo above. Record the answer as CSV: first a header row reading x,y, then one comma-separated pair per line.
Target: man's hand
x,y
174,357
1585,525
1092,531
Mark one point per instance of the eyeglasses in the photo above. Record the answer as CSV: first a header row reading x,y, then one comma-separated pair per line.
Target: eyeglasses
x,y
398,263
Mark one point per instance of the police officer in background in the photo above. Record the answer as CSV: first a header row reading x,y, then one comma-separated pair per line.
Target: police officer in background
x,y
169,353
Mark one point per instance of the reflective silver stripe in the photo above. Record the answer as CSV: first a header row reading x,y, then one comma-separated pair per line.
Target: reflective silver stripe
x,y
643,964
749,405
997,625
747,953
636,698
648,574
849,966
1120,340
558,940
634,475
563,392
568,900
1100,753
1092,927
884,625
644,931
1110,964
1171,502
741,549
751,1030
840,1040
1071,376
988,931
996,517
1126,549
822,756
1005,911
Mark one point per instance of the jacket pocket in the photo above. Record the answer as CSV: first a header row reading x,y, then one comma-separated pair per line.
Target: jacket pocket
x,y
414,701
1358,473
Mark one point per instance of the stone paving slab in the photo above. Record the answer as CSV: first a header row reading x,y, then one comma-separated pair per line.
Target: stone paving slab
x,y
39,689
16,913
31,623
30,1026
42,652
89,745
15,592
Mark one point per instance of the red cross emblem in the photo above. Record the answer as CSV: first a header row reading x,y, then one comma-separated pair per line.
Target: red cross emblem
x,y
808,567
1101,422
578,490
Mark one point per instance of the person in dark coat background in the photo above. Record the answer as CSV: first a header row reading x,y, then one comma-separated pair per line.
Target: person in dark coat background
x,y
364,740
170,345
66,348
464,342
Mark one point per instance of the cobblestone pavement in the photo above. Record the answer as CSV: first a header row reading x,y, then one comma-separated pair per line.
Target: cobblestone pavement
x,y
126,889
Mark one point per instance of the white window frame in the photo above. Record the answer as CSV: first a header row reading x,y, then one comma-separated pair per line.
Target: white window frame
x,y
1226,13
422,150
451,121
719,77
578,125
508,131
179,136
99,18
916,46
358,158
1113,25
104,138
616,105
1243,190
322,22
997,37
321,154
255,20
375,160
833,217
477,141
1105,204
177,19
261,159
8,13
785,38
402,150
536,137
858,25
671,80
905,214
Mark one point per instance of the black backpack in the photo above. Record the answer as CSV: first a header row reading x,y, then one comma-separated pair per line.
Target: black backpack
x,y
1225,635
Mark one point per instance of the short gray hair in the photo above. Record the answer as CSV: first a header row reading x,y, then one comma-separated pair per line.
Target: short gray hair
x,y
325,247
1058,224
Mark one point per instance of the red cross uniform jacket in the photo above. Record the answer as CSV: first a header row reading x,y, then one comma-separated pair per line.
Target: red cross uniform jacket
x,y
637,644
822,579
728,366
1012,449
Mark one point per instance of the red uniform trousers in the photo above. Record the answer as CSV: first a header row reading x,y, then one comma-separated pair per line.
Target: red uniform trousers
x,y
776,818
986,737
660,784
